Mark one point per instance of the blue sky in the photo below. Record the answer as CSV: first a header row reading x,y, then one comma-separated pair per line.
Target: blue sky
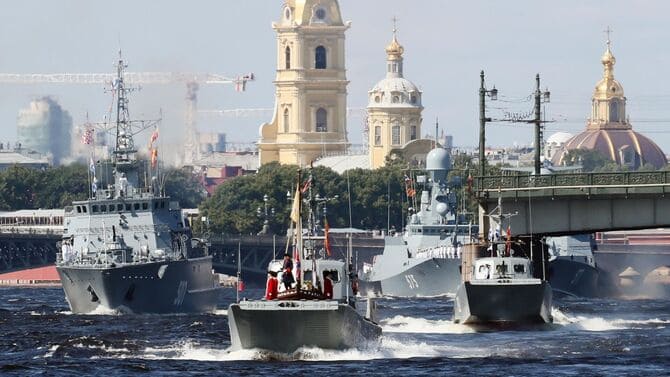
x,y
447,43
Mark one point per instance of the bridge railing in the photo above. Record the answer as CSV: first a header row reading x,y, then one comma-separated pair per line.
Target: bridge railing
x,y
568,180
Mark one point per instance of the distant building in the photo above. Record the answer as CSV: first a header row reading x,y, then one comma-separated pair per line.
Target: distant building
x,y
555,143
609,131
394,113
309,118
216,168
212,142
21,157
44,127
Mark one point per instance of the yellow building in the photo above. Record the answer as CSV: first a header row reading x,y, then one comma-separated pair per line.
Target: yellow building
x,y
311,86
394,113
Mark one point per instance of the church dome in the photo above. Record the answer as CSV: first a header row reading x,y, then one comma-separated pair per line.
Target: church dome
x,y
609,131
625,147
559,138
394,90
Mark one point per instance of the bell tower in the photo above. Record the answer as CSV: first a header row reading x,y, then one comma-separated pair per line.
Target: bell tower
x,y
309,118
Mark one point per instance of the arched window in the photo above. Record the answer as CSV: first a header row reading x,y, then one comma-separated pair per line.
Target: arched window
x,y
287,57
614,111
395,134
412,132
321,120
378,135
320,58
286,120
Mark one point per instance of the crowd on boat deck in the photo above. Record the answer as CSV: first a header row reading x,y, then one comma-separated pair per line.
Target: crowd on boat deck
x,y
272,285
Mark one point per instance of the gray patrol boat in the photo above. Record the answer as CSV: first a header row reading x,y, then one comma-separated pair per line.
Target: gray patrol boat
x,y
302,315
426,260
128,248
499,287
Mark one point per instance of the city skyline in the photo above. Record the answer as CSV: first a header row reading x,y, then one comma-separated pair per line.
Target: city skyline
x,y
446,45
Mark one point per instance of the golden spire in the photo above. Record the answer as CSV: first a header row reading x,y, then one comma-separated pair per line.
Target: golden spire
x,y
394,50
608,58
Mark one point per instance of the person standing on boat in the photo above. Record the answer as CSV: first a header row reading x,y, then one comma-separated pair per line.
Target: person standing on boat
x,y
327,286
272,286
287,276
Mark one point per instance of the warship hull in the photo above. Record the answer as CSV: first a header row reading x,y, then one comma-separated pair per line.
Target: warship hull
x,y
417,277
498,302
179,286
285,326
572,277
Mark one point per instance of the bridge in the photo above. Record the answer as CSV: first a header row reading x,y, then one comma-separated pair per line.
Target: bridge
x,y
573,203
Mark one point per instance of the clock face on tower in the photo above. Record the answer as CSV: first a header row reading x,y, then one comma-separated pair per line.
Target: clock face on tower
x,y
287,13
320,13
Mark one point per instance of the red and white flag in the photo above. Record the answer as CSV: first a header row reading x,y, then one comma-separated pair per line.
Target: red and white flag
x,y
87,136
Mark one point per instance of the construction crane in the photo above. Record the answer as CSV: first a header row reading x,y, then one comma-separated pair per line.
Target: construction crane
x,y
192,81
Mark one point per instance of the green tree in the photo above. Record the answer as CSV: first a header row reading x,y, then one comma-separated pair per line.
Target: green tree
x,y
590,160
183,186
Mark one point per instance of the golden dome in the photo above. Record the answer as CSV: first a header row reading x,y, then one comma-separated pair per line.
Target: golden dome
x,y
394,50
608,87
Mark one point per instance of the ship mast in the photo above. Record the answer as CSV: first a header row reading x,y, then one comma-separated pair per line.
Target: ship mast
x,y
124,149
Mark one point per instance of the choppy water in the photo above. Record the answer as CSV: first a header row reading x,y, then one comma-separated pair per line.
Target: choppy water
x,y
38,336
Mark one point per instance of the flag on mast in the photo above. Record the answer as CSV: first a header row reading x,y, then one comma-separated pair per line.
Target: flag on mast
x,y
326,240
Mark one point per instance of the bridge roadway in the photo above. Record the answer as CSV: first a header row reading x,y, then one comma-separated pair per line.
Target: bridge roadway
x,y
563,204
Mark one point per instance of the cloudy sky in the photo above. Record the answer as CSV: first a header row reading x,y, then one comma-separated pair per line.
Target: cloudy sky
x,y
447,43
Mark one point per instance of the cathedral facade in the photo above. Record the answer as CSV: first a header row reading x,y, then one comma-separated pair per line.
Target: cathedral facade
x,y
309,118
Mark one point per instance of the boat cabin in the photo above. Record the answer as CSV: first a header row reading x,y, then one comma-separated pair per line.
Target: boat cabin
x,y
502,268
336,270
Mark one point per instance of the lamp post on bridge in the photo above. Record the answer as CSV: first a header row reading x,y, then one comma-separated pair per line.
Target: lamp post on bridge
x,y
266,218
493,94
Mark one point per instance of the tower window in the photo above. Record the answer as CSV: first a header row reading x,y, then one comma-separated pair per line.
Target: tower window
x,y
413,98
286,120
320,58
412,133
287,57
321,120
396,99
614,111
395,134
378,135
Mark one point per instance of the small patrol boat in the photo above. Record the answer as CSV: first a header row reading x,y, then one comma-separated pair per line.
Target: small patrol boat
x,y
303,315
503,290
500,288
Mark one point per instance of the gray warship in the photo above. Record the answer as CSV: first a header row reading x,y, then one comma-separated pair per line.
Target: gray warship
x,y
425,261
572,267
302,315
499,287
128,248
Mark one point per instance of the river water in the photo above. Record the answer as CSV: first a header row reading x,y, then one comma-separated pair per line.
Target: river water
x,y
590,337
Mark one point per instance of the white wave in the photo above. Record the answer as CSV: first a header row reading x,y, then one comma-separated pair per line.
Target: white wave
x,y
223,312
403,324
587,323
386,348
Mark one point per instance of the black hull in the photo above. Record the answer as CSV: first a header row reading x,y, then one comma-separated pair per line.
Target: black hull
x,y
572,277
183,286
518,304
290,326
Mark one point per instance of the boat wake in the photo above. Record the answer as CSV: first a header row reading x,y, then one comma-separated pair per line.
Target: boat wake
x,y
403,324
588,323
386,348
